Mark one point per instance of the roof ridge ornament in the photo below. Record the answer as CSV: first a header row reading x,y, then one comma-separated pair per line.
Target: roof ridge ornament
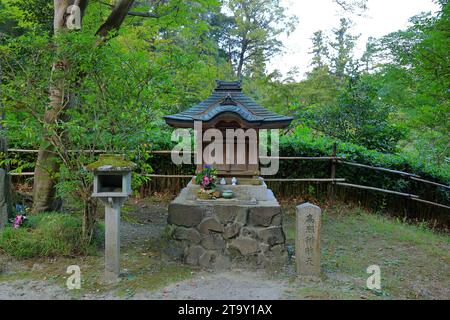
x,y
228,101
228,85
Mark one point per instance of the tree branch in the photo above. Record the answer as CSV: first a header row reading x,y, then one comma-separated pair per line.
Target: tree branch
x,y
116,18
147,14
350,6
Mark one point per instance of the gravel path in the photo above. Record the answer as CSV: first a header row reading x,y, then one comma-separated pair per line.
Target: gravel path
x,y
233,285
205,286
31,290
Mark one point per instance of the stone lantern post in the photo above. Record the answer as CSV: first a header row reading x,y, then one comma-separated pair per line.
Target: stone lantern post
x,y
112,185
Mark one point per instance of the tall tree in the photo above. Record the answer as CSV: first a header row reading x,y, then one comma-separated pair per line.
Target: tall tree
x,y
360,117
320,50
251,31
369,57
343,45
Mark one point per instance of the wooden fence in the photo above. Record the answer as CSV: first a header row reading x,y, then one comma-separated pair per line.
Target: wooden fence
x,y
333,181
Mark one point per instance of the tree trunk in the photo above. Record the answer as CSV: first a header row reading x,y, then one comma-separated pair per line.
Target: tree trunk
x,y
47,162
242,58
89,218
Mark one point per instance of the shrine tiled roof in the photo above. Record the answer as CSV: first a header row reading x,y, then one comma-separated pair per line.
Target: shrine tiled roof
x,y
229,98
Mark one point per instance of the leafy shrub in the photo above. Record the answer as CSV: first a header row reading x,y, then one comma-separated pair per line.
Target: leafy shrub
x,y
305,142
47,235
359,117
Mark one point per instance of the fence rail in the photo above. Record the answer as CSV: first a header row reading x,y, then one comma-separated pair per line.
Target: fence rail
x,y
305,180
406,174
304,158
430,182
357,186
333,180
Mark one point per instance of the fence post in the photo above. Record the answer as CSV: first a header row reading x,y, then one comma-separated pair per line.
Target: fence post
x,y
332,187
5,179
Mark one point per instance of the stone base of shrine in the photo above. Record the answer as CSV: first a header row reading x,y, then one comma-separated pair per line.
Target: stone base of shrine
x,y
215,234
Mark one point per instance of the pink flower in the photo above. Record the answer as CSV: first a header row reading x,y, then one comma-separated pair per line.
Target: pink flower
x,y
206,181
18,221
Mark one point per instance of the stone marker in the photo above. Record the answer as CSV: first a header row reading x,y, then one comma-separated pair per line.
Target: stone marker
x,y
307,240
3,199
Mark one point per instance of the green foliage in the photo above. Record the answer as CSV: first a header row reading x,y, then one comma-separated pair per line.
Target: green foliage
x,y
415,80
358,117
117,92
306,142
9,20
47,235
17,163
35,13
394,99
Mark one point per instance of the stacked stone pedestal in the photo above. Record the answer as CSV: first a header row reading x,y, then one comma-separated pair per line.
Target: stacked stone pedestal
x,y
217,233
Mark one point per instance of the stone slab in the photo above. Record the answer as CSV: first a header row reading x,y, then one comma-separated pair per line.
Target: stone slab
x,y
241,192
179,216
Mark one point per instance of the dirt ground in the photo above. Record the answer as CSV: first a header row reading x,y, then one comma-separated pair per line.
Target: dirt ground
x,y
415,264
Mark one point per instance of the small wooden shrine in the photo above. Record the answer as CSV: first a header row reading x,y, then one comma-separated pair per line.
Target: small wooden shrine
x,y
217,233
229,108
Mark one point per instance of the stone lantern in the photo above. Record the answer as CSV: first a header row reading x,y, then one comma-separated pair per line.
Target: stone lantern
x,y
112,185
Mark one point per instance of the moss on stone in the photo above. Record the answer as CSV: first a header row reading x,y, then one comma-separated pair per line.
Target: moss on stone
x,y
111,162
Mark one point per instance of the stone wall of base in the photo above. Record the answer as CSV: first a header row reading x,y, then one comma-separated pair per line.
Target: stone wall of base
x,y
215,236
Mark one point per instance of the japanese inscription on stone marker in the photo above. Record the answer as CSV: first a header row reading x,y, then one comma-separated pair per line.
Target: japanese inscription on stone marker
x,y
307,244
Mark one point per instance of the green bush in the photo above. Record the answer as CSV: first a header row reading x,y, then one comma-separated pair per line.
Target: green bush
x,y
305,142
47,235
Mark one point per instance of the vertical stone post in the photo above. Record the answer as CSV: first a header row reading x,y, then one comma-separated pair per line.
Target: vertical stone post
x,y
112,240
307,240
3,199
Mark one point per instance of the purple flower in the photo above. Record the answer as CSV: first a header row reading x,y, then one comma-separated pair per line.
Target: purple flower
x,y
18,221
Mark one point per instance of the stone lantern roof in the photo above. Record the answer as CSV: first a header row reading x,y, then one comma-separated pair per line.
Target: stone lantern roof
x,y
229,100
111,163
